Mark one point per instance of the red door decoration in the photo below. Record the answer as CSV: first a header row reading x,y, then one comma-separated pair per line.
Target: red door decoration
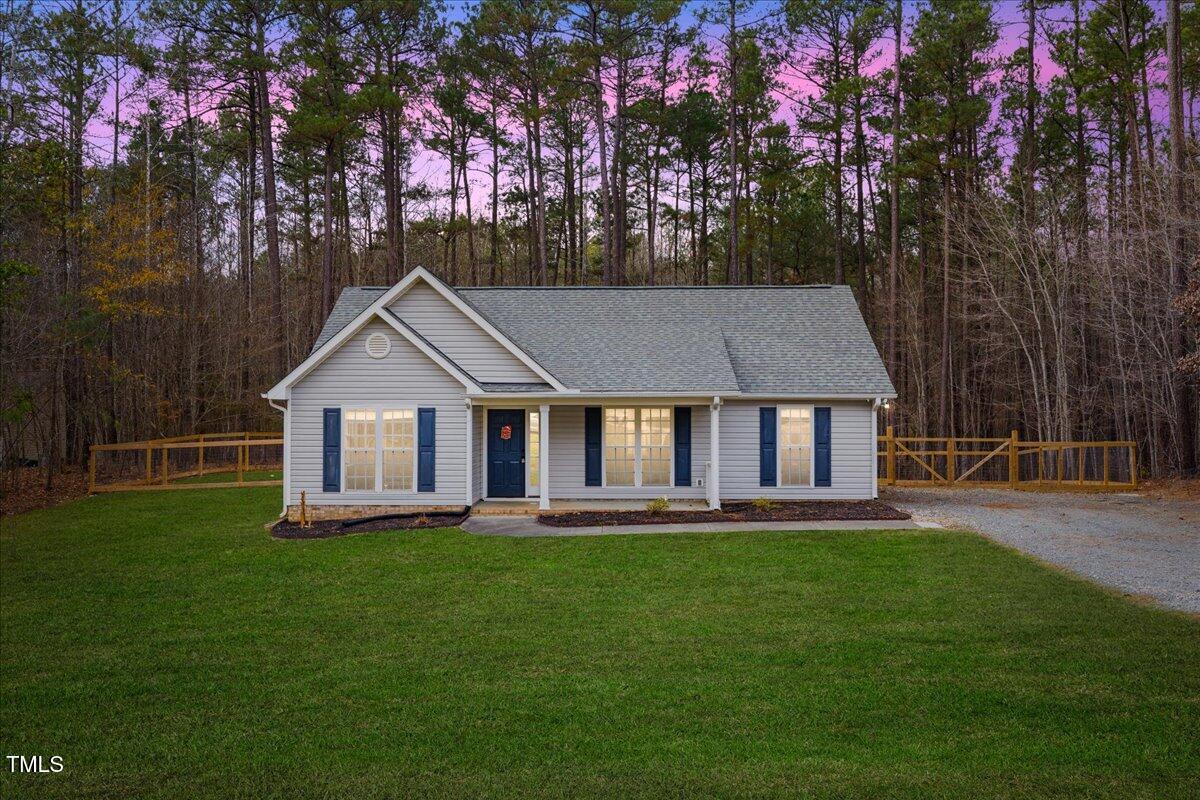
x,y
506,432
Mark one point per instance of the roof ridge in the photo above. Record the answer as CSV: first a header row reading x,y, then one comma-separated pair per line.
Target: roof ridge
x,y
646,288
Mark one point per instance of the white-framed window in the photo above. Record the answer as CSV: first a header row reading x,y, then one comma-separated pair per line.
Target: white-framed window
x,y
638,446
358,450
655,446
379,449
399,449
533,451
795,446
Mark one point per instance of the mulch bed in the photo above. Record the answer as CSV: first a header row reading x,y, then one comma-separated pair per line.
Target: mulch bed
x,y
325,529
795,511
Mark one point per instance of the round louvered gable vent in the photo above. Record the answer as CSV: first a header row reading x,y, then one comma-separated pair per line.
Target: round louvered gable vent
x,y
378,345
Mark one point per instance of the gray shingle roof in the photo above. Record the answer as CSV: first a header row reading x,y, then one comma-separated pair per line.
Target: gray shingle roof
x,y
350,304
793,339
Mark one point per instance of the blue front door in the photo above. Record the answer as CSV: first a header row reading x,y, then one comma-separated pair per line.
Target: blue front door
x,y
506,453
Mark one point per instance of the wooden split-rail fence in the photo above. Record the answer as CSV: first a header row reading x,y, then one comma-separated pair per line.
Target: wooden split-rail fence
x,y
194,459
1006,462
904,461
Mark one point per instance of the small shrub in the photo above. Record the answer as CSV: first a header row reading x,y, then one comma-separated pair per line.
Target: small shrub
x,y
763,504
659,505
421,522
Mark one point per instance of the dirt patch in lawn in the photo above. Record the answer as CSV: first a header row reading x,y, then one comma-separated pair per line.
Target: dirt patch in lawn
x,y
798,511
24,489
325,529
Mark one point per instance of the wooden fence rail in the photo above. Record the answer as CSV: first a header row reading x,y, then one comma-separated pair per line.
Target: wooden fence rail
x,y
240,441
963,461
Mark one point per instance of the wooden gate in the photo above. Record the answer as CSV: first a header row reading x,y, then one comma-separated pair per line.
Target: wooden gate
x,y
1011,462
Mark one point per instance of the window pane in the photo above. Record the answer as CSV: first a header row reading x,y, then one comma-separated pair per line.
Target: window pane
x,y
620,440
398,444
359,451
656,444
795,446
534,449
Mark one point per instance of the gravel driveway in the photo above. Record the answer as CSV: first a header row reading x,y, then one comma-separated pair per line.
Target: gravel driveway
x,y
1139,545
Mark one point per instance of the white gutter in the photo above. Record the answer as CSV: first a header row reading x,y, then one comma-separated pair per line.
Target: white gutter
x,y
704,396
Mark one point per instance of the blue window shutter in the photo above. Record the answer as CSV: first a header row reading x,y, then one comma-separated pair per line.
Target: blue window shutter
x,y
591,446
683,445
822,440
331,462
767,446
426,459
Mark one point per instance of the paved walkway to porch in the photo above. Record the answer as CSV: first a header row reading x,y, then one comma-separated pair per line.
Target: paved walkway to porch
x,y
529,507
525,525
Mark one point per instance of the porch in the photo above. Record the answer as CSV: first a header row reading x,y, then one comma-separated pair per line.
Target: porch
x,y
527,456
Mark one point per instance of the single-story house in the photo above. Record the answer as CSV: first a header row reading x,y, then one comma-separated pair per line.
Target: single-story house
x,y
424,396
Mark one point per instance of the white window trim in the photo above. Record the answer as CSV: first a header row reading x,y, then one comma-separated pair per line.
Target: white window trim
x,y
812,447
637,448
378,409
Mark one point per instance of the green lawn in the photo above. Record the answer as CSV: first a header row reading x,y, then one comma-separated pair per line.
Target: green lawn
x,y
231,477
165,646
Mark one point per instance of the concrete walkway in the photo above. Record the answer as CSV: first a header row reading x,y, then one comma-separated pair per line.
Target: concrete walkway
x,y
529,526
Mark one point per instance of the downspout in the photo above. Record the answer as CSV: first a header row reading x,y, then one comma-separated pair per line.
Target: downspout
x,y
286,471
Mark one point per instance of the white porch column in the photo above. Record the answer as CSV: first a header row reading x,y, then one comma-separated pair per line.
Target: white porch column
x,y
544,458
470,491
714,437
874,452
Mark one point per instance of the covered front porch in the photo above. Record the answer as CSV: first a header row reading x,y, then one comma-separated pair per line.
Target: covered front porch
x,y
527,454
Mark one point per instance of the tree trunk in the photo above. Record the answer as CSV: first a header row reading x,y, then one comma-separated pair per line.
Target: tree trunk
x,y
944,389
733,266
327,233
270,207
894,256
1185,421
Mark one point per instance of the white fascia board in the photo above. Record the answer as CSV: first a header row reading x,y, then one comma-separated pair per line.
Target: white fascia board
x,y
810,396
276,392
279,390
581,397
452,297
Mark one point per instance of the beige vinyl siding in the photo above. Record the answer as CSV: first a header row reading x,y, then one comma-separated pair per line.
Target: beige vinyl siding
x,y
851,458
460,338
349,379
567,468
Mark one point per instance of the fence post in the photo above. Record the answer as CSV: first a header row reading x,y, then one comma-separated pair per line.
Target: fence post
x,y
164,465
1082,453
891,456
239,463
92,470
201,449
1105,476
950,461
1133,469
149,465
1014,467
